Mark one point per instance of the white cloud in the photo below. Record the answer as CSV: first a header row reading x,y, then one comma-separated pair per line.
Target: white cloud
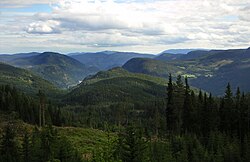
x,y
48,27
146,25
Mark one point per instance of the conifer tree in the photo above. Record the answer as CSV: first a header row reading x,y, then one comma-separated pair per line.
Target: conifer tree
x,y
179,95
179,82
238,114
245,116
132,145
187,108
42,106
227,111
170,112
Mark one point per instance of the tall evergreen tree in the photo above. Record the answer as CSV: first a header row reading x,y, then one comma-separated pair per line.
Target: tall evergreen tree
x,y
238,114
132,144
187,109
227,111
171,111
42,106
179,95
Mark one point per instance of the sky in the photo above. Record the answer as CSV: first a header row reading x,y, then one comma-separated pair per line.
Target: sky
x,y
148,26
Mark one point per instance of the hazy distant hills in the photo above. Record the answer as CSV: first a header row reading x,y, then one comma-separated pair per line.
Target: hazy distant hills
x,y
152,67
107,59
24,80
68,70
188,56
59,69
8,57
181,51
209,70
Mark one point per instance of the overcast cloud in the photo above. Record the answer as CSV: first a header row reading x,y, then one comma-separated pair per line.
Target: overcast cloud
x,y
144,26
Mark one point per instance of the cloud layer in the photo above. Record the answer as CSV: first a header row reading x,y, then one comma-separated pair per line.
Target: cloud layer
x,y
146,26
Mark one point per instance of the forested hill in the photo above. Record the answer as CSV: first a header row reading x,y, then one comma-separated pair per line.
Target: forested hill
x,y
123,116
59,69
182,127
117,85
24,80
208,70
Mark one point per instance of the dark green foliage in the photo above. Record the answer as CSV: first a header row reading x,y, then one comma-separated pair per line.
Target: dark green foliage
x,y
110,90
188,110
132,145
199,128
159,151
171,114
47,145
25,81
26,147
27,108
227,110
9,148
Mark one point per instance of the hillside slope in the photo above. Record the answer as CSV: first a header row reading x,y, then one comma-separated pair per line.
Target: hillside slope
x,y
117,85
7,58
59,69
210,70
24,80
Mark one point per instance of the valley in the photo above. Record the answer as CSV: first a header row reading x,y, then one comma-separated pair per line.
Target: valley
x,y
96,108
124,81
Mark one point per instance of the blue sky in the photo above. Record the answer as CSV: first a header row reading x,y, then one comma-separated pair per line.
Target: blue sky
x,y
29,8
128,25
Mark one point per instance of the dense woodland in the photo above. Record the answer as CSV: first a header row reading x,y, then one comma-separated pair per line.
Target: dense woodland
x,y
182,126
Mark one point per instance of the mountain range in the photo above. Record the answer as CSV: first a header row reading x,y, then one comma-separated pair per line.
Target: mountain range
x,y
61,70
107,59
208,70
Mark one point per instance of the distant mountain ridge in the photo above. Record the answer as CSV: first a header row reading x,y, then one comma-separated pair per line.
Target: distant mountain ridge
x,y
59,69
9,57
182,51
190,55
107,59
208,70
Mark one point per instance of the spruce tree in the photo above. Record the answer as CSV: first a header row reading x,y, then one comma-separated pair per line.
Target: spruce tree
x,y
170,112
42,106
132,145
229,109
179,93
238,114
179,82
187,108
226,108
